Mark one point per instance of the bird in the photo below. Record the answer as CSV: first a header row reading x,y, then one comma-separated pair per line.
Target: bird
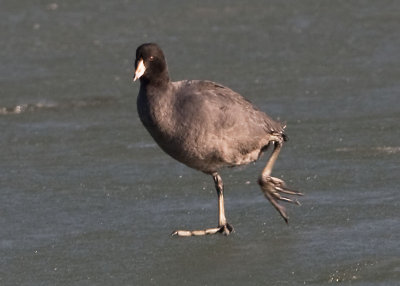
x,y
207,127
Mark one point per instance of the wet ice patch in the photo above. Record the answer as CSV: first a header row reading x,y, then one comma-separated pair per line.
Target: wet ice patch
x,y
389,150
44,105
20,108
384,149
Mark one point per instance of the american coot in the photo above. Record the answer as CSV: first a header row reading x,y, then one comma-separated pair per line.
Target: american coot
x,y
207,126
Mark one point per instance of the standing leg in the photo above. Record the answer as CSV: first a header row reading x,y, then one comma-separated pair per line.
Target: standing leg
x,y
272,187
223,227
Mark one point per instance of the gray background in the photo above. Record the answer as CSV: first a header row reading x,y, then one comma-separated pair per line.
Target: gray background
x,y
87,198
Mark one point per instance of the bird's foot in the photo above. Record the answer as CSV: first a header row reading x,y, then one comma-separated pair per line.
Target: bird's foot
x,y
225,229
273,189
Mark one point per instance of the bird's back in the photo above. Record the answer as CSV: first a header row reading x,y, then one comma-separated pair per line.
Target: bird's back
x,y
208,126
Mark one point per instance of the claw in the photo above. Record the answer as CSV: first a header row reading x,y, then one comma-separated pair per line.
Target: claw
x,y
272,187
288,191
296,202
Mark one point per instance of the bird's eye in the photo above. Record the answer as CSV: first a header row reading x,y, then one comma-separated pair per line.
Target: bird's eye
x,y
151,58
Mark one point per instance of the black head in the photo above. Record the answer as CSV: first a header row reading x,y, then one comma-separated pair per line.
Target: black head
x,y
150,64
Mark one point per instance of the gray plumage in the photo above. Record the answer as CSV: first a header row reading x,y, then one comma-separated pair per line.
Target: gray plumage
x,y
206,126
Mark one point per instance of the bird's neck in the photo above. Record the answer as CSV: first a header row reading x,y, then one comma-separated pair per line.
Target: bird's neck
x,y
155,89
161,81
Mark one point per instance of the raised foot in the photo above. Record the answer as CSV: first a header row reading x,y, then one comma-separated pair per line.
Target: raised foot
x,y
225,230
273,188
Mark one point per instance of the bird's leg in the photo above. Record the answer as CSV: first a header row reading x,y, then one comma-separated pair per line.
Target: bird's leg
x,y
274,187
223,227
